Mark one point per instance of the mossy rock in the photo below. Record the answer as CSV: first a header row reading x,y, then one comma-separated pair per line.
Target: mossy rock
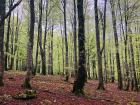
x,y
28,94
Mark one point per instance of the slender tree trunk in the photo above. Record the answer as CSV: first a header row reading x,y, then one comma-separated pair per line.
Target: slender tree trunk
x,y
45,35
16,39
43,57
36,57
111,68
125,37
94,68
12,43
66,42
75,38
59,68
50,66
7,38
26,83
133,65
104,44
120,84
17,61
99,53
62,47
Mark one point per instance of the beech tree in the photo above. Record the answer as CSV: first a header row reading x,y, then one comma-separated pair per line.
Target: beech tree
x,y
3,16
75,35
8,35
81,74
66,40
26,83
99,51
120,83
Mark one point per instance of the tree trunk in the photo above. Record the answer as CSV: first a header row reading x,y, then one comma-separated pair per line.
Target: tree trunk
x,y
94,69
134,77
66,42
99,53
12,43
88,65
112,77
120,84
7,38
125,37
26,83
75,38
2,14
43,55
45,38
104,43
36,58
62,48
82,74
16,39
50,66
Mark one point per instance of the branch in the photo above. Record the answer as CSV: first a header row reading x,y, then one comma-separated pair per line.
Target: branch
x,y
11,9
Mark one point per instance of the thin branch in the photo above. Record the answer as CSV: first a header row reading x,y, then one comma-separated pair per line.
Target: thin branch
x,y
12,8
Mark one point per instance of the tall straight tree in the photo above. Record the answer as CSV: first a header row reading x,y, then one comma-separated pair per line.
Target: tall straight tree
x,y
120,84
134,80
16,39
42,51
81,74
103,21
50,58
45,34
2,14
75,36
8,36
104,36
99,53
36,57
12,42
66,41
62,47
26,83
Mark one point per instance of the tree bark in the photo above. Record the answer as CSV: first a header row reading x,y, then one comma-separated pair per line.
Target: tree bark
x,y
82,74
75,37
2,23
12,42
36,69
66,42
50,66
43,55
8,37
134,77
120,84
99,53
26,83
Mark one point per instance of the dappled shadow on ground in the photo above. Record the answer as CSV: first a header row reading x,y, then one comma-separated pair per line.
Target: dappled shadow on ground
x,y
52,90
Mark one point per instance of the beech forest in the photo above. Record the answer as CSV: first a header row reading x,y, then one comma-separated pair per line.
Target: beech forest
x,y
69,52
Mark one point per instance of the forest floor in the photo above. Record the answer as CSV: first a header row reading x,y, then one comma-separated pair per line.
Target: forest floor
x,y
53,90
